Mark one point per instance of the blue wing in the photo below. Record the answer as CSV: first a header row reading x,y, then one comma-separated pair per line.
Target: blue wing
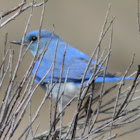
x,y
74,59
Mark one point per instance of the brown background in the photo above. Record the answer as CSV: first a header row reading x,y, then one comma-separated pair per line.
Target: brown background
x,y
79,23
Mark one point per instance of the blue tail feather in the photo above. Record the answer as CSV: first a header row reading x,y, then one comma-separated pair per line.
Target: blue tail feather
x,y
112,79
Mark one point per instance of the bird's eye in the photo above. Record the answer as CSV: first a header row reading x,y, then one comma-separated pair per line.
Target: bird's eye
x,y
34,38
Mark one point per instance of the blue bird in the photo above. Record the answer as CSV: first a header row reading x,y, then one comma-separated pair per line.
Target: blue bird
x,y
74,60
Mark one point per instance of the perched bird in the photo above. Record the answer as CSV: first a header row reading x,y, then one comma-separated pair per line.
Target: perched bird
x,y
74,60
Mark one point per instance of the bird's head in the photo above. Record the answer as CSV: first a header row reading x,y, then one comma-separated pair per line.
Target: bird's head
x,y
31,40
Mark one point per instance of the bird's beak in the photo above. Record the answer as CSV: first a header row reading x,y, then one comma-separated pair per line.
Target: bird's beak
x,y
18,42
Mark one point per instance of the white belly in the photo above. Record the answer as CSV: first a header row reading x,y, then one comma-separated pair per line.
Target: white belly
x,y
69,91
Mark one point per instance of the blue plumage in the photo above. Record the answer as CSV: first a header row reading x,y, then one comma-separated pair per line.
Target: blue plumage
x,y
75,60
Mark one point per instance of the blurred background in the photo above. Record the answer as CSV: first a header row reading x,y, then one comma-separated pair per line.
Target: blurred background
x,y
79,23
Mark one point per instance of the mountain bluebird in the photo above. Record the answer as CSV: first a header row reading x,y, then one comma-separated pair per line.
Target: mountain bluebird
x,y
74,60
